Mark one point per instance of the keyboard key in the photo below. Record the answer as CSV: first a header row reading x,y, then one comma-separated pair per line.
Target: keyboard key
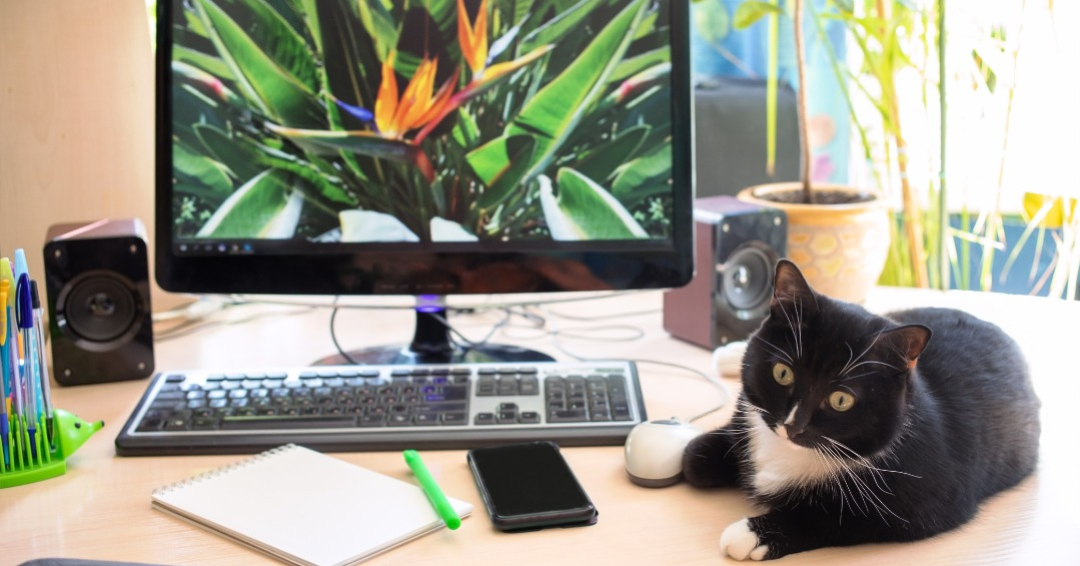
x,y
455,418
484,418
568,416
529,417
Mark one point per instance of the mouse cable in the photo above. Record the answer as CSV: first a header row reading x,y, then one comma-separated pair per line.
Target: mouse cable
x,y
725,393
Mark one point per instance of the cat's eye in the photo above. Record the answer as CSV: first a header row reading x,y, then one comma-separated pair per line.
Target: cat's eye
x,y
841,400
783,374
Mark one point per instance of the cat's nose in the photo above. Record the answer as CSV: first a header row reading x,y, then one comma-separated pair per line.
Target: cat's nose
x,y
793,431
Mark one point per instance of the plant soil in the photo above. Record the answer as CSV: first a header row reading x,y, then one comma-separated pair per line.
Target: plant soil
x,y
825,197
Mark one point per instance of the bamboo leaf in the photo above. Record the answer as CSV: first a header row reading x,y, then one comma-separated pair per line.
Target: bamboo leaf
x,y
270,80
264,207
583,210
552,114
748,13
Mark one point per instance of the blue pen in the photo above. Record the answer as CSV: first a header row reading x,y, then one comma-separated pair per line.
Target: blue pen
x,y
25,320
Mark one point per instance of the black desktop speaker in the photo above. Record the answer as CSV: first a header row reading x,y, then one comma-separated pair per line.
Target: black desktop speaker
x,y
736,246
97,278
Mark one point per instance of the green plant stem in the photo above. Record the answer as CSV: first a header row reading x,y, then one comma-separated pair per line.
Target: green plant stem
x,y
912,220
994,215
943,213
771,93
804,120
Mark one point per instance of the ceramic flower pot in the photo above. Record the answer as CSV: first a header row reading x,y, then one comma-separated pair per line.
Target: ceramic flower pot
x,y
840,248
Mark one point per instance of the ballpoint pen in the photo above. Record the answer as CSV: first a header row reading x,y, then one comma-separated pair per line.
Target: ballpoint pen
x,y
43,365
27,357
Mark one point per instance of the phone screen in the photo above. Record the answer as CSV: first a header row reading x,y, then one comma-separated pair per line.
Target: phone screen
x,y
529,484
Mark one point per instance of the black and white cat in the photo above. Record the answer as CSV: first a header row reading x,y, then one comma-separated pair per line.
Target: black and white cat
x,y
854,428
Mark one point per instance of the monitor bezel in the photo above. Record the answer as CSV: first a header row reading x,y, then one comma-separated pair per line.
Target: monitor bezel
x,y
427,271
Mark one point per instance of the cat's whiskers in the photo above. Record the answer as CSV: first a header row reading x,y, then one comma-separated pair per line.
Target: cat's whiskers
x,y
849,366
779,351
841,477
865,362
864,489
866,461
791,326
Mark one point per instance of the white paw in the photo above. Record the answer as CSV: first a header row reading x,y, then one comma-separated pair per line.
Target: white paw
x,y
740,543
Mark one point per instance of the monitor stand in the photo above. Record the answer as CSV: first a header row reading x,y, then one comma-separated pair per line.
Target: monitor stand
x,y
431,344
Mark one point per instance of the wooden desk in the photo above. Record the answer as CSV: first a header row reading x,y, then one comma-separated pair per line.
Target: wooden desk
x,y
101,508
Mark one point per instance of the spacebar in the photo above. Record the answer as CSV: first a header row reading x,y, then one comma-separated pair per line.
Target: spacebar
x,y
286,422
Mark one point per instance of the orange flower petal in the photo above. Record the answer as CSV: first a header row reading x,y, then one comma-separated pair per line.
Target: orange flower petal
x,y
473,38
441,99
387,102
417,98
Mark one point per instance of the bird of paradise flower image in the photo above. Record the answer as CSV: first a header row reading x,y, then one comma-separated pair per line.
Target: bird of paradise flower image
x,y
466,121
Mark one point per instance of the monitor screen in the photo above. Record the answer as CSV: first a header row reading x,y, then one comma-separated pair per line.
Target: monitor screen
x,y
423,147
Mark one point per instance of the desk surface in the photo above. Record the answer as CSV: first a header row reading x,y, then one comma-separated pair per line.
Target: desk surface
x,y
101,508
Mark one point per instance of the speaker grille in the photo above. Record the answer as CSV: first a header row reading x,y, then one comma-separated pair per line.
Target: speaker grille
x,y
746,277
101,308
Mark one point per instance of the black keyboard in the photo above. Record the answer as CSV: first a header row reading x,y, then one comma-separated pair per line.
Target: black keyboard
x,y
356,408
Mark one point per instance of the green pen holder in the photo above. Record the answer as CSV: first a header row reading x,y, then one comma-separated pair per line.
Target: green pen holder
x,y
29,461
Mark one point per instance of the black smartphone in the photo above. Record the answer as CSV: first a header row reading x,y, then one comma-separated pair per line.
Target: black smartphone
x,y
529,486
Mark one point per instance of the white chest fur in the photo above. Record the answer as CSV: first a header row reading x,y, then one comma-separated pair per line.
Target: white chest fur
x,y
780,464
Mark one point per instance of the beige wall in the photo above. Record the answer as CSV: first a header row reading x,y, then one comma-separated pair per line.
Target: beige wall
x,y
76,118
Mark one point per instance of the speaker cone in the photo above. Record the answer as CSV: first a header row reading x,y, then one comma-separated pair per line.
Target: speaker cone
x,y
747,275
100,307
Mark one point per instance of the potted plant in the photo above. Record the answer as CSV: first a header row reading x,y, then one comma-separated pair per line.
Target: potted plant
x,y
837,235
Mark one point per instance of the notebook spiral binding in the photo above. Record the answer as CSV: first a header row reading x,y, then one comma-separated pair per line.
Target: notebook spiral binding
x,y
223,470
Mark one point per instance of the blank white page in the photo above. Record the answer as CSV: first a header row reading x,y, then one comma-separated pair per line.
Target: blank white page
x,y
305,507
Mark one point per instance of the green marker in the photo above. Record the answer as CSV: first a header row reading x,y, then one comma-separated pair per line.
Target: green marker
x,y
431,489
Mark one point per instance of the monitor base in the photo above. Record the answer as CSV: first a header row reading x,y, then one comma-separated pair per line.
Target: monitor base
x,y
432,345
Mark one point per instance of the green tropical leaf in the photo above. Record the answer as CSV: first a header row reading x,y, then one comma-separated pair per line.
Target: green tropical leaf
x,y
501,164
556,28
551,115
372,226
642,171
264,207
206,171
362,142
750,12
213,65
601,161
269,81
583,210
380,26
239,155
639,63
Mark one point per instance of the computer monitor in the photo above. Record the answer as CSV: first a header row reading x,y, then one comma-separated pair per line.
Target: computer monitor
x,y
423,147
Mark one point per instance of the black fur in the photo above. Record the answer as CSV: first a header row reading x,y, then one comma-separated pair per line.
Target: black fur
x,y
939,435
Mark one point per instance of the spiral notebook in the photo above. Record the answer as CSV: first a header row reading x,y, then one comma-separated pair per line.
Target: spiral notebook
x,y
304,507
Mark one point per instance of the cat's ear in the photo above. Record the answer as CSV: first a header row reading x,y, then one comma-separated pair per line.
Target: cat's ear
x,y
790,287
909,341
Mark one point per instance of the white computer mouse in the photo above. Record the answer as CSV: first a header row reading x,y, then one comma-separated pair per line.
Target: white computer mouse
x,y
654,452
